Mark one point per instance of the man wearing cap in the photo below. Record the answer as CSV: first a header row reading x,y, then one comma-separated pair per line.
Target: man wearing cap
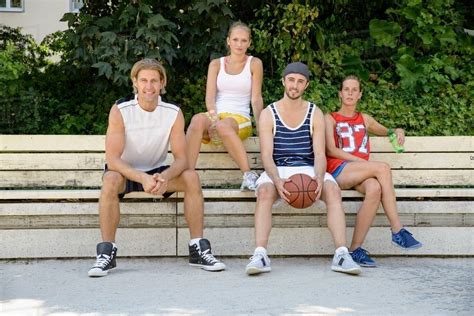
x,y
292,140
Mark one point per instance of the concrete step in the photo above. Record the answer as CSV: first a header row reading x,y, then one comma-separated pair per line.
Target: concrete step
x,y
67,230
145,242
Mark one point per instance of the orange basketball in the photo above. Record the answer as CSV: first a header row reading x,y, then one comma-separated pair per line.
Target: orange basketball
x,y
302,190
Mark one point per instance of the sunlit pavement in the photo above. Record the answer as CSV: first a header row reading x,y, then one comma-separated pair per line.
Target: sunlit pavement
x,y
400,285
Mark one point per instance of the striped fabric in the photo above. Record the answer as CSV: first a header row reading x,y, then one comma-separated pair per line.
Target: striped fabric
x,y
293,146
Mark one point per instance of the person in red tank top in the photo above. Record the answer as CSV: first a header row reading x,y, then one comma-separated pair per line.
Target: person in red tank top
x,y
348,152
350,135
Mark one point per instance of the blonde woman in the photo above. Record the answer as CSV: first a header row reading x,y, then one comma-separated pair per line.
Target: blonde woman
x,y
234,82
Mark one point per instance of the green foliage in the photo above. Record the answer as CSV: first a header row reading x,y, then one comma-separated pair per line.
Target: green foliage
x,y
385,33
413,56
203,26
189,95
431,54
28,52
20,59
112,41
10,70
105,40
200,42
39,96
287,32
415,63
446,114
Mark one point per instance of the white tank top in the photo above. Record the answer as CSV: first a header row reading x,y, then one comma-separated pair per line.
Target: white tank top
x,y
147,134
234,91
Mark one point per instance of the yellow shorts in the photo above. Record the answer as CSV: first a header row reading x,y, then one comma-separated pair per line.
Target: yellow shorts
x,y
245,125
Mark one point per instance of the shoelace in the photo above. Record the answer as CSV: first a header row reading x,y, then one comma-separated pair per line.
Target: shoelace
x,y
102,261
257,257
249,180
361,254
253,176
405,237
250,176
209,257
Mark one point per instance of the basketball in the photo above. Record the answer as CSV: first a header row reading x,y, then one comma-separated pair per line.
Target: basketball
x,y
302,190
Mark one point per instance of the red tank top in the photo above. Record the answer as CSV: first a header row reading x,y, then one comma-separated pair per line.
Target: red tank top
x,y
351,136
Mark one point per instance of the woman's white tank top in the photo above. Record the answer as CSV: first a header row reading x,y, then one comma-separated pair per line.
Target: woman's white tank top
x,y
234,91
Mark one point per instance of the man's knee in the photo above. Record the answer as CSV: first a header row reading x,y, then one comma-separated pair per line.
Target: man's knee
x,y
112,183
331,190
191,179
331,194
266,191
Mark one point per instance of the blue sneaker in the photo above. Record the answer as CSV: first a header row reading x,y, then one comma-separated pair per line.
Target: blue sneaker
x,y
361,257
404,239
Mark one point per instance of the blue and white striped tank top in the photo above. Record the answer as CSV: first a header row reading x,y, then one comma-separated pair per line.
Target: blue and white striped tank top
x,y
293,146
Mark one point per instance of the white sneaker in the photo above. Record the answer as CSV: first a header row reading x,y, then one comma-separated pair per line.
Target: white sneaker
x,y
259,262
249,182
343,262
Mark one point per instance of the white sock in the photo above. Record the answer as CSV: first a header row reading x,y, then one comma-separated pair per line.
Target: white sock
x,y
114,245
341,250
260,250
194,241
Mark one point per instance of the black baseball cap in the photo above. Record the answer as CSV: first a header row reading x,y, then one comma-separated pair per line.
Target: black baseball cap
x,y
297,68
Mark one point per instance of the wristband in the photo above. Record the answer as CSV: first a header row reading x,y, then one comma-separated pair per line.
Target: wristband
x,y
390,132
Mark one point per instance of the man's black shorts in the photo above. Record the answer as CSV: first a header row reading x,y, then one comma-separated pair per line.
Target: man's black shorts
x,y
132,186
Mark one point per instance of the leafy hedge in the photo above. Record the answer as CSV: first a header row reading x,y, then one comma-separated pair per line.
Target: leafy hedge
x,y
413,56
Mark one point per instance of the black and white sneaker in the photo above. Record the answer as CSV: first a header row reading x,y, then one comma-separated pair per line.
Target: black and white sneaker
x,y
106,255
201,256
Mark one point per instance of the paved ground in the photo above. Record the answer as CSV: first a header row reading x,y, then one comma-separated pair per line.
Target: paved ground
x,y
408,286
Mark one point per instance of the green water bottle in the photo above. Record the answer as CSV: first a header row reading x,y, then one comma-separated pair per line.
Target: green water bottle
x,y
392,136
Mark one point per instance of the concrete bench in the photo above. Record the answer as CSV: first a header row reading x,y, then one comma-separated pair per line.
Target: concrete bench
x,y
49,188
